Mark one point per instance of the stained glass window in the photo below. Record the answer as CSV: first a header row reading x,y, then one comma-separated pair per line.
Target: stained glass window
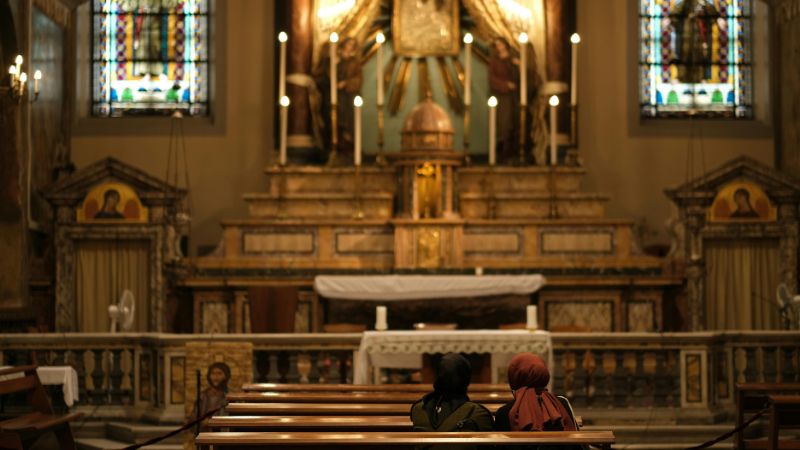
x,y
150,57
695,58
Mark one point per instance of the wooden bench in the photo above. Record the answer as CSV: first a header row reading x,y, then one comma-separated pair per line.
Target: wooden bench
x,y
288,387
408,398
384,440
752,398
325,409
22,431
311,423
784,414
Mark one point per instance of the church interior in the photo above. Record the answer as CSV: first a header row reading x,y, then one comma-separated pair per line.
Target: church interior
x,y
234,224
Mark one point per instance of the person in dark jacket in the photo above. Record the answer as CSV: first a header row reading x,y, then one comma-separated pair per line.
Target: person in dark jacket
x,y
448,407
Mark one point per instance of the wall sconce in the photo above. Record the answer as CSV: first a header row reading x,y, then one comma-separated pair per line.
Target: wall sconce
x,y
18,78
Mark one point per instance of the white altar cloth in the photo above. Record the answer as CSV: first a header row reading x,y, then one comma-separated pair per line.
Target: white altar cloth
x,y
404,349
65,376
421,287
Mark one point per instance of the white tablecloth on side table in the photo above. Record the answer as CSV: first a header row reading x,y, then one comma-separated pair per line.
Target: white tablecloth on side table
x,y
404,349
65,376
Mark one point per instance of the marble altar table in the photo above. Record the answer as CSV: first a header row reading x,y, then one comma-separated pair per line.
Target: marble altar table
x,y
404,349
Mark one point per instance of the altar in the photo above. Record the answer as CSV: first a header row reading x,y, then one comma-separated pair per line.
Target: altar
x,y
405,349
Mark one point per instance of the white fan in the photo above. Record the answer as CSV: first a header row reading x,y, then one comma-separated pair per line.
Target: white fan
x,y
122,313
789,307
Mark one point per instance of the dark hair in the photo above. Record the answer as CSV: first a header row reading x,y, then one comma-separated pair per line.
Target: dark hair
x,y
109,193
742,191
224,368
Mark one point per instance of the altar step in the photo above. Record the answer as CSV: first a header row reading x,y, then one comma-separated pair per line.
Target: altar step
x,y
520,179
315,179
532,205
321,205
118,435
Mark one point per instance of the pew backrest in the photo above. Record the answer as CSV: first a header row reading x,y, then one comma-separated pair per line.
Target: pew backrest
x,y
354,397
290,387
753,398
326,409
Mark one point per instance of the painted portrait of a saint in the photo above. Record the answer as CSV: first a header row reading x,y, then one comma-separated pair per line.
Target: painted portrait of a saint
x,y
112,202
742,201
425,27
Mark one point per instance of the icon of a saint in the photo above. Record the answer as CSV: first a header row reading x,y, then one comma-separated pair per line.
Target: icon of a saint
x,y
111,199
213,397
743,208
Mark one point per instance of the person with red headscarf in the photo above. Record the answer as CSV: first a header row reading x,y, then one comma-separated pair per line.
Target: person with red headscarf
x,y
533,408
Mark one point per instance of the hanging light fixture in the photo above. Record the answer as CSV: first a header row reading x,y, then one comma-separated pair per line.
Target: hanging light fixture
x,y
18,79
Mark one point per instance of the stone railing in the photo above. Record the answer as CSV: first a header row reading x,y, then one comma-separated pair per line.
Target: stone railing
x,y
145,372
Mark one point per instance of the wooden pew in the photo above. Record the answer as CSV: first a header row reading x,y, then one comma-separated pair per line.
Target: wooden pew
x,y
388,440
752,398
20,432
287,387
311,423
784,413
325,409
408,398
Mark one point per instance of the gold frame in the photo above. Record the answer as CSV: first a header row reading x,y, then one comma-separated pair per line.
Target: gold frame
x,y
397,26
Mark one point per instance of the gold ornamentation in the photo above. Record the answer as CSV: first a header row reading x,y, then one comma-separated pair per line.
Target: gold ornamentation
x,y
428,248
425,28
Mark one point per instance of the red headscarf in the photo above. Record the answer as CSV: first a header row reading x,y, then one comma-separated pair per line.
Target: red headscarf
x,y
534,408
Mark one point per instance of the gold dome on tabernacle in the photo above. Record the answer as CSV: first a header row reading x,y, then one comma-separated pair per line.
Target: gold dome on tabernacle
x,y
427,127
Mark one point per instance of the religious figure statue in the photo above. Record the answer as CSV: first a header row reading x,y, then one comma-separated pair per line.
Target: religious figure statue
x,y
349,80
692,21
214,396
147,39
503,84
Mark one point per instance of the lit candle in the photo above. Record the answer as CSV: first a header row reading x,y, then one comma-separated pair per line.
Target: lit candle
x,y
358,102
532,322
553,130
18,62
282,38
523,79
380,39
332,55
575,39
284,128
36,77
467,69
380,318
12,75
492,130
23,77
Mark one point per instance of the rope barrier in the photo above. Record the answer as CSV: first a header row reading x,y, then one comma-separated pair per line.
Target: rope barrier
x,y
730,433
184,427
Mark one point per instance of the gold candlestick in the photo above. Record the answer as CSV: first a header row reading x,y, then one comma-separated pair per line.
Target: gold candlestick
x,y
380,159
551,181
334,140
281,213
573,111
522,111
467,159
358,214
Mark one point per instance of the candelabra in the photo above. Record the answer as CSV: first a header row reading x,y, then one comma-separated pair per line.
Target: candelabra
x,y
18,79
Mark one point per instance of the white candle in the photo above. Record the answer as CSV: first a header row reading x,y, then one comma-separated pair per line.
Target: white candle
x,y
332,56
467,69
380,318
23,77
479,271
380,39
553,130
282,38
18,62
575,39
532,322
492,130
12,75
358,102
523,78
284,128
36,77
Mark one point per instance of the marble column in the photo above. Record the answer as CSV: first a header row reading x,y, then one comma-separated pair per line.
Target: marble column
x,y
561,23
299,49
785,61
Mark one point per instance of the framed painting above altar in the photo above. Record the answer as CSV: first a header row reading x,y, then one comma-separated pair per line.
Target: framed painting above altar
x,y
425,28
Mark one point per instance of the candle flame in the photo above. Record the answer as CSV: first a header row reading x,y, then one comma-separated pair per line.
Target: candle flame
x,y
358,102
37,75
12,70
24,77
18,59
334,37
523,38
554,100
468,38
575,38
283,37
380,38
285,101
492,101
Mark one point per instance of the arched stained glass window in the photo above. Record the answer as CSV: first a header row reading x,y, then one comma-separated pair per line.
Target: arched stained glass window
x,y
150,57
695,58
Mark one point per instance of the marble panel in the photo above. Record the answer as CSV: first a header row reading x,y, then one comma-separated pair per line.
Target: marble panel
x,y
260,243
577,242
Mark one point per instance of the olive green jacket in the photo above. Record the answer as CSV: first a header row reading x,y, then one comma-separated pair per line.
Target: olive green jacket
x,y
468,417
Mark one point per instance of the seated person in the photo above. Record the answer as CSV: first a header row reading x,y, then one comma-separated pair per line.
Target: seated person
x,y
448,408
533,408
